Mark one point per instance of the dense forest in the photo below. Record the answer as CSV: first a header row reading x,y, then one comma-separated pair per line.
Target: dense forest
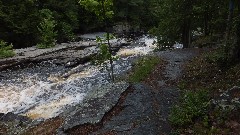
x,y
207,29
172,20
23,21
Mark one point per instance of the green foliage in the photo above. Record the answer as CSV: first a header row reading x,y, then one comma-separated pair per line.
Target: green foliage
x,y
143,67
66,14
220,58
18,20
193,105
46,30
171,21
138,13
208,76
102,8
177,19
210,15
87,21
201,41
169,18
6,50
104,55
66,32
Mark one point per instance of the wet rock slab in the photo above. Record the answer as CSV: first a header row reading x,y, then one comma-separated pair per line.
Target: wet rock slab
x,y
11,123
138,116
97,102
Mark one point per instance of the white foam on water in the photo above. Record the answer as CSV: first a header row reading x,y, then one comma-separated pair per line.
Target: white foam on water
x,y
150,42
41,99
149,46
32,99
178,46
54,107
37,98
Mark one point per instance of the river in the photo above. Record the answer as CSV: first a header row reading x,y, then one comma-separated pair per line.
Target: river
x,y
43,90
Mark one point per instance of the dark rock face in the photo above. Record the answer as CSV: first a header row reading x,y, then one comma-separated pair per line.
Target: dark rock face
x,y
1,115
138,116
13,123
12,117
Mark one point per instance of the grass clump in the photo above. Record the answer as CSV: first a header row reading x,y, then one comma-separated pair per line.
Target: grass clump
x,y
6,50
192,105
143,67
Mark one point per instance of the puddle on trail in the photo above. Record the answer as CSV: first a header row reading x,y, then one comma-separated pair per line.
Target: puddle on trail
x,y
41,92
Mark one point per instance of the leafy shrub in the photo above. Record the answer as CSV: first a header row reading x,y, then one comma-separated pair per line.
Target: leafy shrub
x,y
193,105
143,67
220,58
202,41
66,32
46,29
105,55
6,50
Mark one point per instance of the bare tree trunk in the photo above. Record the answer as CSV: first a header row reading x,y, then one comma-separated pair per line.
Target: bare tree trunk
x,y
230,17
235,50
186,28
186,33
206,23
111,60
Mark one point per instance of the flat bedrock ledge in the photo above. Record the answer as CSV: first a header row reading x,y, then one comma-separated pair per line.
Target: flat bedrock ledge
x,y
96,104
67,54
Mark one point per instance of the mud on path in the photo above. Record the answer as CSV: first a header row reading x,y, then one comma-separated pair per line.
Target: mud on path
x,y
145,107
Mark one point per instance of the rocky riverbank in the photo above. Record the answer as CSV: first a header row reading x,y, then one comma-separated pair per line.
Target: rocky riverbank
x,y
67,54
